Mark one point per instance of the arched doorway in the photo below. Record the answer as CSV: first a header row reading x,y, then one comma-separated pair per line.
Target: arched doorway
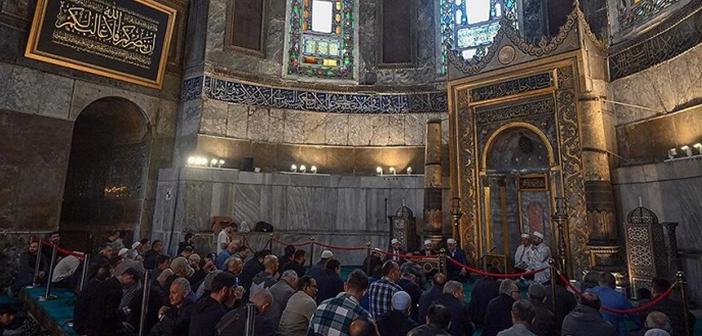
x,y
516,188
107,171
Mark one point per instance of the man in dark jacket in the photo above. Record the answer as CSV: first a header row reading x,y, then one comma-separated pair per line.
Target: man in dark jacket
x,y
297,264
671,308
267,277
498,315
481,294
453,299
454,252
132,313
585,319
175,318
25,273
329,283
81,309
251,268
544,320
565,302
151,255
287,257
317,269
207,311
408,283
397,322
437,322
234,322
431,295
103,311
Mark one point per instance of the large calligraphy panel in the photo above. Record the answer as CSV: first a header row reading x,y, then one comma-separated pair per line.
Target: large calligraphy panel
x,y
121,39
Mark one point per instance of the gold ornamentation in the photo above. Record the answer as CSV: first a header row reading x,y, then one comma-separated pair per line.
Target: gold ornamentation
x,y
506,55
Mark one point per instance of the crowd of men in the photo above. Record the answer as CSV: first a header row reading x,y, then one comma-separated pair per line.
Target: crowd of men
x,y
216,294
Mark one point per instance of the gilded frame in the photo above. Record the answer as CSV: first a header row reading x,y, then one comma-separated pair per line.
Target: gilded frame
x,y
32,52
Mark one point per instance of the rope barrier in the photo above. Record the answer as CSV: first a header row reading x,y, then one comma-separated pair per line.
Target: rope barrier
x,y
345,248
405,256
495,275
628,311
80,257
291,244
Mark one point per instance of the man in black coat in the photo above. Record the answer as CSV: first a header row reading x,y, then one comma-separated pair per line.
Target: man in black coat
x,y
586,320
329,283
81,309
408,282
234,322
252,268
207,311
453,299
544,323
431,295
103,311
175,318
297,264
498,315
481,294
397,321
437,322
565,302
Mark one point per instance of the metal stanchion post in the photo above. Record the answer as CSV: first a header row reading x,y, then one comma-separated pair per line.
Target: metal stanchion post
x,y
682,282
554,275
47,294
84,274
311,251
442,263
368,252
35,283
249,327
270,242
144,303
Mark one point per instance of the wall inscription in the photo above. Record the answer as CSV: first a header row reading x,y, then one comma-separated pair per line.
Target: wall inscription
x,y
121,39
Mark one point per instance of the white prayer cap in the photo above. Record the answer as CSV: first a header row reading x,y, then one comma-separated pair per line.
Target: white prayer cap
x,y
326,254
525,235
394,241
401,300
450,241
427,242
122,252
136,244
538,234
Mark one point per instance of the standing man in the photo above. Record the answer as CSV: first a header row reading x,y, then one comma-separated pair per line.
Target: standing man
x,y
521,257
380,292
334,316
454,272
396,250
298,312
151,255
538,258
223,238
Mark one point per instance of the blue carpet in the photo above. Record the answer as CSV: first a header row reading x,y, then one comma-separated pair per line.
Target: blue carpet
x,y
60,309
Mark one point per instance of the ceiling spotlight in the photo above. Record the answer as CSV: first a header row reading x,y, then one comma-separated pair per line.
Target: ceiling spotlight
x,y
313,169
698,147
293,168
409,170
687,150
220,163
672,153
191,160
379,170
213,162
303,168
392,170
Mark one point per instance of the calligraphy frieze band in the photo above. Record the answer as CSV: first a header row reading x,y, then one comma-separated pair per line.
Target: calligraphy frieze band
x,y
126,40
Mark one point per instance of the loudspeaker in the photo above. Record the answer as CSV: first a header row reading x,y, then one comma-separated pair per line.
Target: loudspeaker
x,y
248,164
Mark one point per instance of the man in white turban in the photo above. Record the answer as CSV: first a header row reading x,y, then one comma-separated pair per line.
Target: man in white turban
x,y
538,257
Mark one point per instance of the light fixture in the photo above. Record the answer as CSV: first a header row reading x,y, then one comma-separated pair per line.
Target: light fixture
x,y
379,170
392,170
672,153
213,162
698,147
191,160
293,168
313,169
687,150
409,170
220,163
303,168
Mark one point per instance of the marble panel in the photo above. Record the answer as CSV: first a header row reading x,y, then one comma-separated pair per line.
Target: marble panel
x,y
237,121
24,90
166,119
305,127
214,118
337,129
276,125
258,124
360,130
84,93
197,201
375,209
190,118
216,23
415,129
56,102
266,201
350,209
247,204
298,209
276,206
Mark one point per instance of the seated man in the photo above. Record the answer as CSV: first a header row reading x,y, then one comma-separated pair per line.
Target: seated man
x,y
27,265
234,322
585,319
454,252
613,299
397,322
437,322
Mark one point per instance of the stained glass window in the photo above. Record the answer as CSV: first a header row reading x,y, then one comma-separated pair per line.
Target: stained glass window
x,y
321,38
469,26
634,12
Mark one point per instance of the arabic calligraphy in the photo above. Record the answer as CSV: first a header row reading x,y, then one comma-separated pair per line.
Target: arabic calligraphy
x,y
107,30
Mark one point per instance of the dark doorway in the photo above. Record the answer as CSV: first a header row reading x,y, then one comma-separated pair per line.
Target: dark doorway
x,y
107,172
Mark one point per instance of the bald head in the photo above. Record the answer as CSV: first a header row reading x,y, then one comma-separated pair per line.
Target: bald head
x,y
262,300
270,263
290,276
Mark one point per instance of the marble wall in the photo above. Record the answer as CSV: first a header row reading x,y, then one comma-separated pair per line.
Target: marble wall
x,y
673,190
341,210
667,87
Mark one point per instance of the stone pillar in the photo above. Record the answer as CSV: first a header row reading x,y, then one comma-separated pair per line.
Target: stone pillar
x,y
598,133
432,180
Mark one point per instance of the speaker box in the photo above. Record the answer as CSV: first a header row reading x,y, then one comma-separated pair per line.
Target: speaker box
x,y
248,164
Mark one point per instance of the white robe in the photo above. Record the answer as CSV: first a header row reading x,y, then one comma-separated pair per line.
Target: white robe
x,y
521,256
538,257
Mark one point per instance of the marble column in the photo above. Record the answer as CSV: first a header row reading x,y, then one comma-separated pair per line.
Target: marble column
x,y
432,179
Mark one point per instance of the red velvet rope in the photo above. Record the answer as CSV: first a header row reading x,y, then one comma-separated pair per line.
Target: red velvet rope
x,y
494,275
405,256
293,244
65,251
628,311
345,248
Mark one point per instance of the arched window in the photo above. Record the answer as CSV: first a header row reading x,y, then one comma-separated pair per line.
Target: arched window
x,y
321,38
470,25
